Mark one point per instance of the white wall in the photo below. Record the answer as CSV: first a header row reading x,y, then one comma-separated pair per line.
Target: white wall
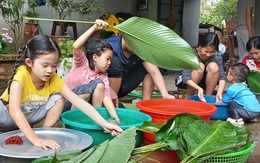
x,y
191,13
152,10
257,18
120,6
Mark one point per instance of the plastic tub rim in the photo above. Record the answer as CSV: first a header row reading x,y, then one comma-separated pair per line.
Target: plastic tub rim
x,y
202,113
97,127
251,147
150,110
216,104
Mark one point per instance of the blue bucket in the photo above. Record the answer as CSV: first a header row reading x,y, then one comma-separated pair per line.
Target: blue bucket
x,y
222,110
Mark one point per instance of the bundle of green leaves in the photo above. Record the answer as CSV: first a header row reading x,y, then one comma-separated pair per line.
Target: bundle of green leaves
x,y
193,139
117,150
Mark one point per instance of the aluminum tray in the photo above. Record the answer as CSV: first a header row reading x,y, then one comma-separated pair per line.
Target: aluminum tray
x,y
68,139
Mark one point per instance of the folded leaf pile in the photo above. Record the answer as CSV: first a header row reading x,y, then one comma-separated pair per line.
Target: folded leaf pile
x,y
117,150
194,140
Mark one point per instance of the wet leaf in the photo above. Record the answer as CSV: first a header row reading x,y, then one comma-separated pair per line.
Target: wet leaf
x,y
151,127
95,157
120,148
253,81
203,140
58,156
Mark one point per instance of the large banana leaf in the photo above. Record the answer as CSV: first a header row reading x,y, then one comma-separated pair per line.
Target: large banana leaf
x,y
117,150
214,139
157,44
152,42
194,140
120,148
253,81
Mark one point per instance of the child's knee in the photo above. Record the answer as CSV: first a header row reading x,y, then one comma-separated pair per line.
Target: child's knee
x,y
100,86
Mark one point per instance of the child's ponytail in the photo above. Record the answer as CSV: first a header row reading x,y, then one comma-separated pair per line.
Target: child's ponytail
x,y
16,65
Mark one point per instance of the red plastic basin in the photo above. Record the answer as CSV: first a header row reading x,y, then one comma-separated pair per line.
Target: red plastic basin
x,y
163,109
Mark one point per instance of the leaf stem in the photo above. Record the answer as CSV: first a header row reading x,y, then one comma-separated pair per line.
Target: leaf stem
x,y
59,20
150,147
146,155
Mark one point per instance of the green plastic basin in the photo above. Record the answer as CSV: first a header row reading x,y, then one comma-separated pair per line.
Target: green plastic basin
x,y
77,120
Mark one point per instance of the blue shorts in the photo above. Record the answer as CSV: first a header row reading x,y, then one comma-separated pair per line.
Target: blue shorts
x,y
83,89
7,123
131,76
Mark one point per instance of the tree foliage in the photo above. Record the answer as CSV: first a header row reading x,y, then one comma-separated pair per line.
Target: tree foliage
x,y
214,15
12,12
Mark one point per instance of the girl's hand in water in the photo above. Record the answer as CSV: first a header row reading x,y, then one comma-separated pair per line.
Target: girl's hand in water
x,y
114,120
201,96
112,128
117,120
203,99
218,98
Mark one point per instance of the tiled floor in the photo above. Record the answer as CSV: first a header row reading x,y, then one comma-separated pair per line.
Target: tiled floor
x,y
168,157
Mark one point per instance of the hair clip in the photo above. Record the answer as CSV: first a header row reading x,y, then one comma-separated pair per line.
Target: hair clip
x,y
211,30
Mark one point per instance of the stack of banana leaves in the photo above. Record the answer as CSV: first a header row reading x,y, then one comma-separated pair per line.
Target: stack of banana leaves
x,y
193,139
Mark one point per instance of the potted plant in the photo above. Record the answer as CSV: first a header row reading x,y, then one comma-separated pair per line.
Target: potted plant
x,y
61,7
65,8
31,27
5,42
8,57
66,60
12,13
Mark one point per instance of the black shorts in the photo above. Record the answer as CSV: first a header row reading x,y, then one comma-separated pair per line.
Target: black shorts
x,y
131,76
202,83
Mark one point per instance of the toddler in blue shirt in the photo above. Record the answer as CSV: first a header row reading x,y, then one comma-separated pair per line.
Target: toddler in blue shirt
x,y
242,103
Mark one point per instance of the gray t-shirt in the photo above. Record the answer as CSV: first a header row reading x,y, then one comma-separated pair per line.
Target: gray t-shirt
x,y
186,74
241,12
